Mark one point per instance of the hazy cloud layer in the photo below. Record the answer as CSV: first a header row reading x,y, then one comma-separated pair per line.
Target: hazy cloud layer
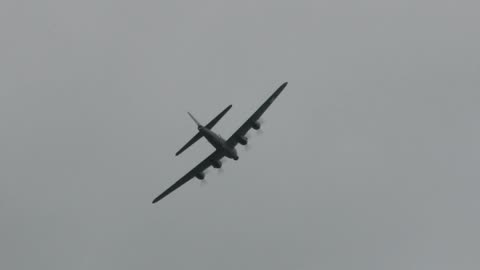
x,y
368,160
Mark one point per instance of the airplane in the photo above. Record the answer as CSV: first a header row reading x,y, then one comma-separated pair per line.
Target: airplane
x,y
223,148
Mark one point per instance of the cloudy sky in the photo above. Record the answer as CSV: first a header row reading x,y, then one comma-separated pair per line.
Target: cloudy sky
x,y
368,159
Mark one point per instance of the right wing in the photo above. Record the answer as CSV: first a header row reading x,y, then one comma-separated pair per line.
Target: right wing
x,y
242,130
191,174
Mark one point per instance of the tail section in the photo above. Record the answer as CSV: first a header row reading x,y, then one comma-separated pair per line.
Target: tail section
x,y
199,134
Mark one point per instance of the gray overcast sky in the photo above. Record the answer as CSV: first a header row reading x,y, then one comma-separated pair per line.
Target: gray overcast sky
x,y
368,160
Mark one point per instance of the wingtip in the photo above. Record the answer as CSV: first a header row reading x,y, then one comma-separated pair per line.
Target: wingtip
x,y
280,89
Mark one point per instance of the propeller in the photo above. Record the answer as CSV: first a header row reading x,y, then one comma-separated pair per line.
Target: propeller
x,y
248,146
204,182
220,170
260,130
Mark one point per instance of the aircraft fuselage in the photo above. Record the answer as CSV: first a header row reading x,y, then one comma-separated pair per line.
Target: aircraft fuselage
x,y
218,142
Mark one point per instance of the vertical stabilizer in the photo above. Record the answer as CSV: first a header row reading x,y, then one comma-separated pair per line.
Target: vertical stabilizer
x,y
195,120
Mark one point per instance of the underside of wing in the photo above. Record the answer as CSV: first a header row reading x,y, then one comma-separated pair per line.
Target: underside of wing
x,y
238,136
197,171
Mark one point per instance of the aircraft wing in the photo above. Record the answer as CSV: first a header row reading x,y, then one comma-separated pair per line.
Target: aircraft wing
x,y
233,140
191,174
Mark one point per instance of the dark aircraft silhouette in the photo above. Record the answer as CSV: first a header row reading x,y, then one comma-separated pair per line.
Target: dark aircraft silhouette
x,y
224,148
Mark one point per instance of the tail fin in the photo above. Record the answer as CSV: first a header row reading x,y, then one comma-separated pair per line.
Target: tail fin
x,y
194,120
199,134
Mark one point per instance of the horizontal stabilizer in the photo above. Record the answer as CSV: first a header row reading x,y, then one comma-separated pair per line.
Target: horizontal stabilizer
x,y
189,143
218,117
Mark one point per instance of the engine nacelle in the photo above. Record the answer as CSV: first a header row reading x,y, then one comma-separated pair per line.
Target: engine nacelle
x,y
217,164
200,175
243,140
256,125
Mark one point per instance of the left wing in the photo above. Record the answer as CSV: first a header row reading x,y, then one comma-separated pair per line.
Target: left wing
x,y
191,174
234,139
